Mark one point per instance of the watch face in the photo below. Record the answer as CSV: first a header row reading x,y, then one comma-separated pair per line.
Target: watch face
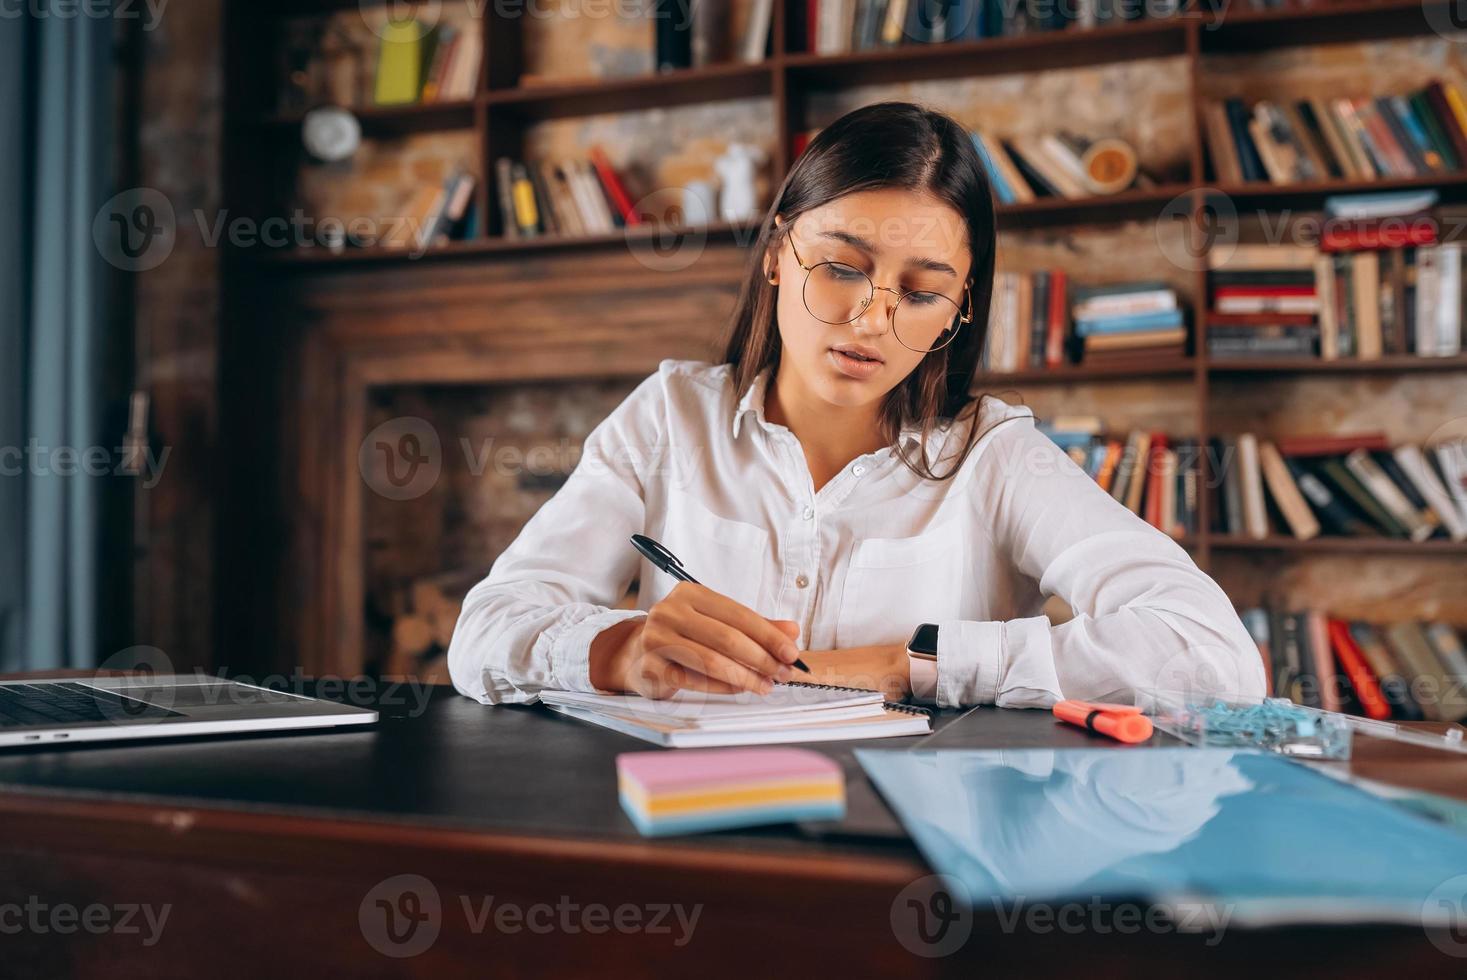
x,y
924,641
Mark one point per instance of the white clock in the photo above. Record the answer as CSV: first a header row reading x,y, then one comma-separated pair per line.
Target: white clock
x,y
331,133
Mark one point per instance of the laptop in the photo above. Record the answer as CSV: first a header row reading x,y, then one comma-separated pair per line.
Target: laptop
x,y
46,711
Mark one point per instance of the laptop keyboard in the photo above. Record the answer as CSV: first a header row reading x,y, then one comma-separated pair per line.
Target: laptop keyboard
x,y
59,703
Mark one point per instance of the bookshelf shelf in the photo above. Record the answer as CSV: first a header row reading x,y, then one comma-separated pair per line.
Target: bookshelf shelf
x,y
1311,195
1243,31
557,100
393,120
993,56
1183,367
717,231
1328,545
1289,365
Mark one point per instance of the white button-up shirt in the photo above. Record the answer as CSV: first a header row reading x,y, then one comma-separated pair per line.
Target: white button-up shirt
x,y
864,560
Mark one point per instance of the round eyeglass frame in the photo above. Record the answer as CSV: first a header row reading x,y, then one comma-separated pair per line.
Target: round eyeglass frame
x,y
804,298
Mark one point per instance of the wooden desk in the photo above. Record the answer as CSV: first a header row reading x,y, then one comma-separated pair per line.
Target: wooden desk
x,y
271,853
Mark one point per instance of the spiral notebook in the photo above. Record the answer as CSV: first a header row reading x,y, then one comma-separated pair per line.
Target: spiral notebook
x,y
793,712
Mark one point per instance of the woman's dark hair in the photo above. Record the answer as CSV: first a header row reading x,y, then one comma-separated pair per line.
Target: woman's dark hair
x,y
886,145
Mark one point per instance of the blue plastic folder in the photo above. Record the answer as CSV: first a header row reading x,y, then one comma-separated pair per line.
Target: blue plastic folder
x,y
1267,839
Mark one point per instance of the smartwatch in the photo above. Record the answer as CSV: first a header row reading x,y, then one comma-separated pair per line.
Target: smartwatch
x,y
923,644
922,662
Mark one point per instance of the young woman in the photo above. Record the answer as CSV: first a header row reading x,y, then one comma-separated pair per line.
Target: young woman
x,y
832,484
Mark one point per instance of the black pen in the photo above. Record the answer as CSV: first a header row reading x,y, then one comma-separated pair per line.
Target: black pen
x,y
668,562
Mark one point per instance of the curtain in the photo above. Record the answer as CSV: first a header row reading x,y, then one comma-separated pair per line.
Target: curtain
x,y
55,155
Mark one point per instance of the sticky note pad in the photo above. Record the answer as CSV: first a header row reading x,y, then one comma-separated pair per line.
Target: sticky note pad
x,y
697,790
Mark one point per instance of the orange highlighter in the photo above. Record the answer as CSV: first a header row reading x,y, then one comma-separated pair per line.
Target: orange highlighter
x,y
1122,722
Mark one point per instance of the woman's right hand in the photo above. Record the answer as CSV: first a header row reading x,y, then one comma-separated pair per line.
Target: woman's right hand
x,y
694,639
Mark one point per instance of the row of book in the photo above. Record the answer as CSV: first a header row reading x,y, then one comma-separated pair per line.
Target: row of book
x,y
566,197
1157,477
1352,485
1365,292
1408,671
418,64
434,214
1024,168
1040,320
1388,136
696,33
836,26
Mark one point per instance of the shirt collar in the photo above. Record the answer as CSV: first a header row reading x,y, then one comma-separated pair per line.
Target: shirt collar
x,y
752,403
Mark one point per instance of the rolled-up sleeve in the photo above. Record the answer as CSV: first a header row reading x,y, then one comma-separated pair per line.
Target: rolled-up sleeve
x,y
529,624
1145,616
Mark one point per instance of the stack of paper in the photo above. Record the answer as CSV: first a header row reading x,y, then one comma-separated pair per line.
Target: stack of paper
x,y
792,712
713,789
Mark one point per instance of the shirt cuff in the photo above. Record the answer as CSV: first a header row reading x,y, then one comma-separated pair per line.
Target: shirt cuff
x,y
570,652
969,662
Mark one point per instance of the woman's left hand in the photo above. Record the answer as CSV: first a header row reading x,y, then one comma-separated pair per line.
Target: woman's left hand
x,y
883,668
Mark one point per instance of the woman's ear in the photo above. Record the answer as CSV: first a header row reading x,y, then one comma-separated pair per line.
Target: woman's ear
x,y
771,257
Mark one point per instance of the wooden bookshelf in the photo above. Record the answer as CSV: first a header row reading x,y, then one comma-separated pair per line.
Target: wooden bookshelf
x,y
1341,545
258,150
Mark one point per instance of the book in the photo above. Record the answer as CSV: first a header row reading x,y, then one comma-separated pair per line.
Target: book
x,y
793,712
1437,689
1286,493
1365,469
1250,477
399,77
756,35
1362,680
1334,472
1395,686
1416,468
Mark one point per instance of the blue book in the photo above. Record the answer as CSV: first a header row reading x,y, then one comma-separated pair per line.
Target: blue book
x,y
1382,205
1000,186
1131,323
1413,128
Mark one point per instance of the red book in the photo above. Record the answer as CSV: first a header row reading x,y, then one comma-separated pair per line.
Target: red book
x,y
1367,689
614,188
1054,338
1331,445
1153,480
1233,292
798,144
1260,319
812,25
1354,236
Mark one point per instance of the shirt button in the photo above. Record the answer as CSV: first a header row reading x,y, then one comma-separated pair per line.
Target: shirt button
x,y
801,581
858,469
808,513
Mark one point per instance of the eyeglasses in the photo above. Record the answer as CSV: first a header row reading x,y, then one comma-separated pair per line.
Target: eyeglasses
x,y
922,320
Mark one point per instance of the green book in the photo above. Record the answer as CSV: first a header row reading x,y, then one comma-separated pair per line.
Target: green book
x,y
1334,471
400,63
